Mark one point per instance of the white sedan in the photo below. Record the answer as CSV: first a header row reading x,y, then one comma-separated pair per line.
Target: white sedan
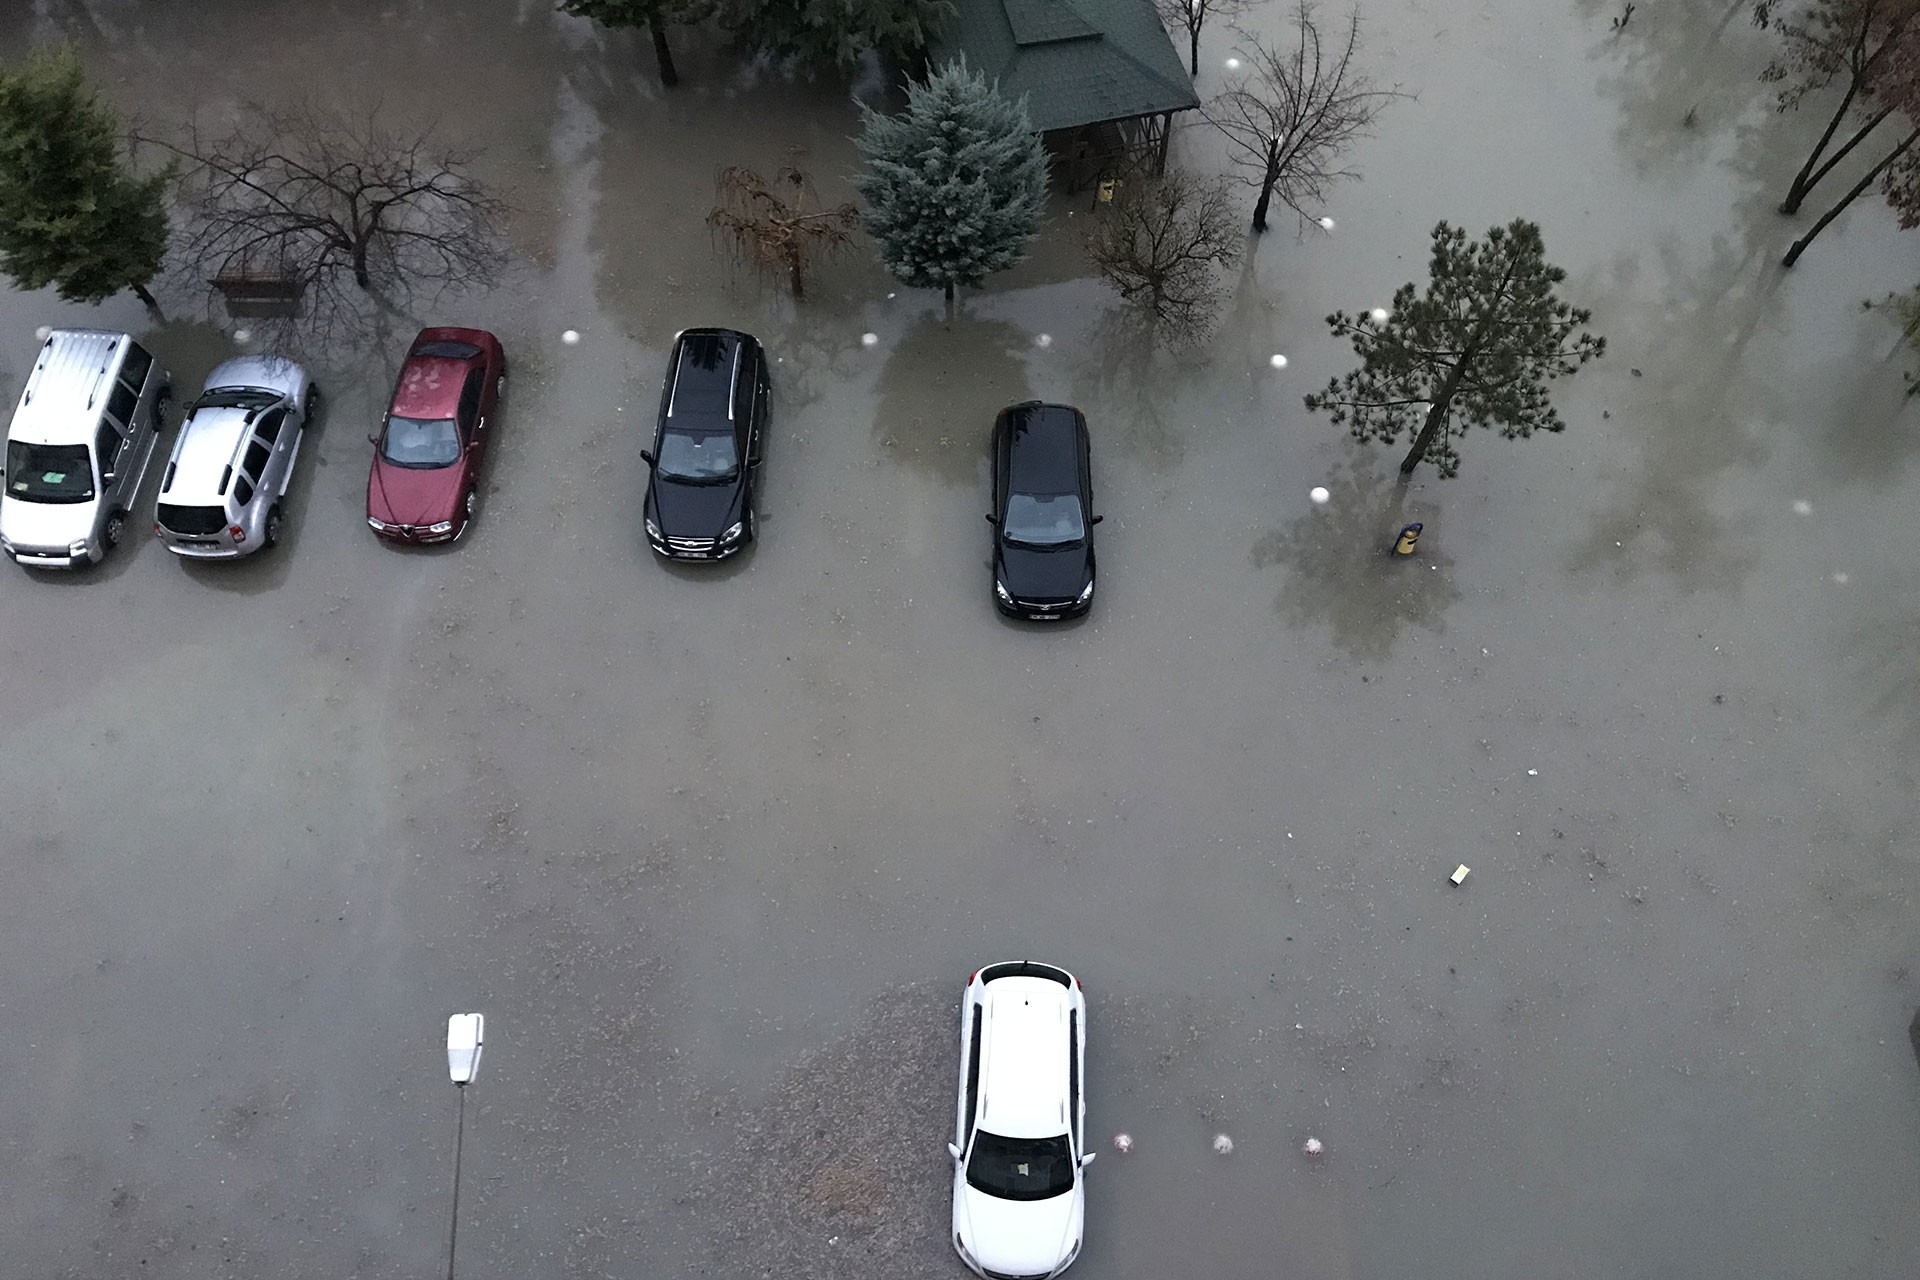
x,y
1019,1147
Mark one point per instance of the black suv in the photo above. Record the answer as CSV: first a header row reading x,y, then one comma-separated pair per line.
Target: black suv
x,y
1042,512
706,453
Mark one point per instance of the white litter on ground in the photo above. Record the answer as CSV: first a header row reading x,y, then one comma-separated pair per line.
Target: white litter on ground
x,y
243,335
1222,1144
869,339
1278,361
1326,224
1123,1142
44,332
1044,340
1313,1148
1319,493
1379,315
570,336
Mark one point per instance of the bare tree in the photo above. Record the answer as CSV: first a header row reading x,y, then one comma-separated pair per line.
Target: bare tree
x,y
346,210
1188,17
1851,42
1292,115
779,226
1161,245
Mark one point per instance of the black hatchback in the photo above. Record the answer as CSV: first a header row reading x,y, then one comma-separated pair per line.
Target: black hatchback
x,y
706,449
1042,512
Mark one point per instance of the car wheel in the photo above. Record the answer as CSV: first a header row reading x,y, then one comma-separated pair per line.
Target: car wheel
x,y
272,536
473,503
116,525
500,388
162,401
313,404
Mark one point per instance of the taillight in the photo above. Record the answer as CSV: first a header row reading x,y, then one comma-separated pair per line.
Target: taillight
x,y
158,532
1076,982
238,534
972,976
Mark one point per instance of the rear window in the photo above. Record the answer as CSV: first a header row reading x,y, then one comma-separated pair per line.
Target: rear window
x,y
242,490
120,404
703,379
447,350
134,371
1024,969
192,521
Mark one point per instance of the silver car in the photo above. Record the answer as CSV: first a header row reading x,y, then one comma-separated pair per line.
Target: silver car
x,y
227,480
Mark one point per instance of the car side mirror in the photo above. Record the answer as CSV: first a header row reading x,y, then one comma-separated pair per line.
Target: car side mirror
x,y
953,1149
1098,519
646,455
1086,1159
373,437
990,519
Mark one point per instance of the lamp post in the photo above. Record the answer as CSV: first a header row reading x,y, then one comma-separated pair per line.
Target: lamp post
x,y
464,1035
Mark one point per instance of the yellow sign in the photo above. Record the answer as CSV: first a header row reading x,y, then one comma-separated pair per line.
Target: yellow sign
x,y
1404,544
1107,186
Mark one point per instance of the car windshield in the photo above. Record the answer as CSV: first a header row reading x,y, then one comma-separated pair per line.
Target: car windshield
x,y
422,443
1020,1168
48,472
1044,520
700,456
236,398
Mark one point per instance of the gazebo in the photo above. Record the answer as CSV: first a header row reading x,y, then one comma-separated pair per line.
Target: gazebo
x,y
1101,78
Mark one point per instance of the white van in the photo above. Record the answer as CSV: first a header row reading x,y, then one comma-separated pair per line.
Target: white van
x,y
78,447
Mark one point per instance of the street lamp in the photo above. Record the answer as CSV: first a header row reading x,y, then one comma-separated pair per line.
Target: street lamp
x,y
465,1032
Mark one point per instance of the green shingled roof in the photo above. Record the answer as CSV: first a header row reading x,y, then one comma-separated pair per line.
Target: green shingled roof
x,y
1076,61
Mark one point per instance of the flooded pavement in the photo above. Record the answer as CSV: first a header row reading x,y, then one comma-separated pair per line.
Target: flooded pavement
x,y
715,851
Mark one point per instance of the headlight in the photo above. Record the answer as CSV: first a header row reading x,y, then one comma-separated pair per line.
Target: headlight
x,y
733,532
1088,593
78,549
1000,589
445,526
377,525
653,531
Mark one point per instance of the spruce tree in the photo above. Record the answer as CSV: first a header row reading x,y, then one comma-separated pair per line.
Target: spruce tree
x,y
955,185
1479,347
70,213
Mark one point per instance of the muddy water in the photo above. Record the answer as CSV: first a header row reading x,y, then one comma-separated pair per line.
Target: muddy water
x,y
713,851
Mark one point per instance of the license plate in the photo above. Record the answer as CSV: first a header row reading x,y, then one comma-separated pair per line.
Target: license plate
x,y
1046,617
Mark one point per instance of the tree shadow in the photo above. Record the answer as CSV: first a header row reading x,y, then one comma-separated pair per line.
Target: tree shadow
x,y
1341,572
941,388
1127,382
1686,73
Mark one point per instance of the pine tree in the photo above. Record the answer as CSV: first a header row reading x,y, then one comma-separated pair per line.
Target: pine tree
x,y
955,185
833,33
654,15
1482,344
70,213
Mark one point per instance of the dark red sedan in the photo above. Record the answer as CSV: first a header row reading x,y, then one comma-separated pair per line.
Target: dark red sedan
x,y
425,481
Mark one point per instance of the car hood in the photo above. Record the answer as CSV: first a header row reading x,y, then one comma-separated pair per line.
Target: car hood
x,y
1016,1237
406,495
1043,576
693,510
49,525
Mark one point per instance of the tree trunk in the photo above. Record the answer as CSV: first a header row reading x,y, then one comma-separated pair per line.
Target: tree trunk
x,y
360,276
1437,413
658,29
1267,180
1805,180
1193,33
153,304
1859,136
1800,245
797,267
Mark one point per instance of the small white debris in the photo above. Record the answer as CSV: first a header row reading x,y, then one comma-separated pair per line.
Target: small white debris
x,y
869,339
1379,315
1222,1144
1460,873
1319,494
1123,1142
1233,64
44,332
1326,224
1840,578
1801,507
1533,773
1313,1148
570,336
1044,340
891,295
1278,361
243,335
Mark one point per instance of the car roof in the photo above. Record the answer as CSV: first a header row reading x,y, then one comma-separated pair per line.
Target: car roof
x,y
206,447
430,386
68,387
1045,447
705,370
1023,1061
